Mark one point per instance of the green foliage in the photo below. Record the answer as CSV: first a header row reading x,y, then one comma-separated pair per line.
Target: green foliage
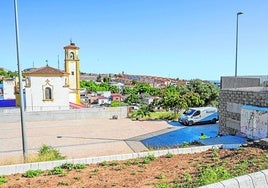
x,y
66,183
132,99
163,185
94,87
148,159
48,153
210,175
117,103
240,169
169,155
104,163
185,144
32,173
3,180
127,163
70,166
57,171
144,111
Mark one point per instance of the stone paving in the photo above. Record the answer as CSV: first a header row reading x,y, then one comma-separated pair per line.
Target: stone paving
x,y
79,138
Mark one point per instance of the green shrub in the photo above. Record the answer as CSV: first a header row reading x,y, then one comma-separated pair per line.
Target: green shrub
x,y
32,173
48,153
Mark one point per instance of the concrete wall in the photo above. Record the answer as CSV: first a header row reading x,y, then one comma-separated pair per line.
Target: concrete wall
x,y
239,82
9,115
231,101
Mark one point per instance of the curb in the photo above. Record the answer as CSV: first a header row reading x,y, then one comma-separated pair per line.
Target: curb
x,y
48,165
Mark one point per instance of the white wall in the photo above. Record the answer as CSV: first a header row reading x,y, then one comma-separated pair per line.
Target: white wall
x,y
35,98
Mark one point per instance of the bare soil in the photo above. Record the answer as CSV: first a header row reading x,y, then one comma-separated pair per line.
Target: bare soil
x,y
165,170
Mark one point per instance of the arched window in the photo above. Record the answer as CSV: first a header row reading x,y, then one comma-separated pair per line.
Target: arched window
x,y
71,55
48,94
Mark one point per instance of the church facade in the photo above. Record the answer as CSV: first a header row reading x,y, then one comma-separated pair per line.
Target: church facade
x,y
47,88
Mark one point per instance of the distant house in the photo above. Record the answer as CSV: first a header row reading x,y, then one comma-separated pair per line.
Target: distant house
x,y
117,97
103,100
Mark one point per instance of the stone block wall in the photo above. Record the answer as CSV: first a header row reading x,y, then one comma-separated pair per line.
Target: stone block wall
x,y
231,101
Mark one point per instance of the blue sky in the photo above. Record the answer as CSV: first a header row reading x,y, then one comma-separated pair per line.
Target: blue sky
x,y
183,39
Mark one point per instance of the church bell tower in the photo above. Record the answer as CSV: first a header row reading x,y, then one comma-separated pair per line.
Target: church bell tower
x,y
72,66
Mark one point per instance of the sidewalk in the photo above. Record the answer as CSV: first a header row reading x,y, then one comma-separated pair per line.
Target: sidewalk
x,y
79,138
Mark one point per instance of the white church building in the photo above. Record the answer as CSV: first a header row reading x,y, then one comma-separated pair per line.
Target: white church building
x,y
47,88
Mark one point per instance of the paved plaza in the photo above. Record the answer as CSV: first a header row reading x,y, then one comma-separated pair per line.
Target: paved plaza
x,y
80,138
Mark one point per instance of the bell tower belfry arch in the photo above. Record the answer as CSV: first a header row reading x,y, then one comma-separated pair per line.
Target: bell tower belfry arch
x,y
72,66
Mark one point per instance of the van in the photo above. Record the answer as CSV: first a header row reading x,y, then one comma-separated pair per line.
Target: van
x,y
199,115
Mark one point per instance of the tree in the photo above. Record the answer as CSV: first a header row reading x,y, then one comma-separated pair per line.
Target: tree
x,y
127,90
114,89
207,91
132,99
171,99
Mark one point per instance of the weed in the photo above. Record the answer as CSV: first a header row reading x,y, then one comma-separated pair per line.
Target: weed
x,y
133,173
185,144
57,171
32,173
48,153
163,185
169,155
96,170
161,176
119,168
3,180
79,166
67,166
136,161
148,159
187,177
215,152
114,163
104,163
64,183
240,169
210,175
77,177
128,163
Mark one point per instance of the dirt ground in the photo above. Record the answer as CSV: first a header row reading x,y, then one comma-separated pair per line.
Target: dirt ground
x,y
170,169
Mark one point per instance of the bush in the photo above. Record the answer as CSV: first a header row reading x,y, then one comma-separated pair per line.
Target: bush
x,y
48,153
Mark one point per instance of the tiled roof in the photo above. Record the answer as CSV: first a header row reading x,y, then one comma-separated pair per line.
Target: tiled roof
x,y
71,46
47,70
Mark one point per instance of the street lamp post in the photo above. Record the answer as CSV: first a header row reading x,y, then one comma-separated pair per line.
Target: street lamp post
x,y
23,134
239,13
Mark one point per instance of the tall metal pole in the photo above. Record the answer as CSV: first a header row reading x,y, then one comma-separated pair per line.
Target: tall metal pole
x,y
239,13
23,133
